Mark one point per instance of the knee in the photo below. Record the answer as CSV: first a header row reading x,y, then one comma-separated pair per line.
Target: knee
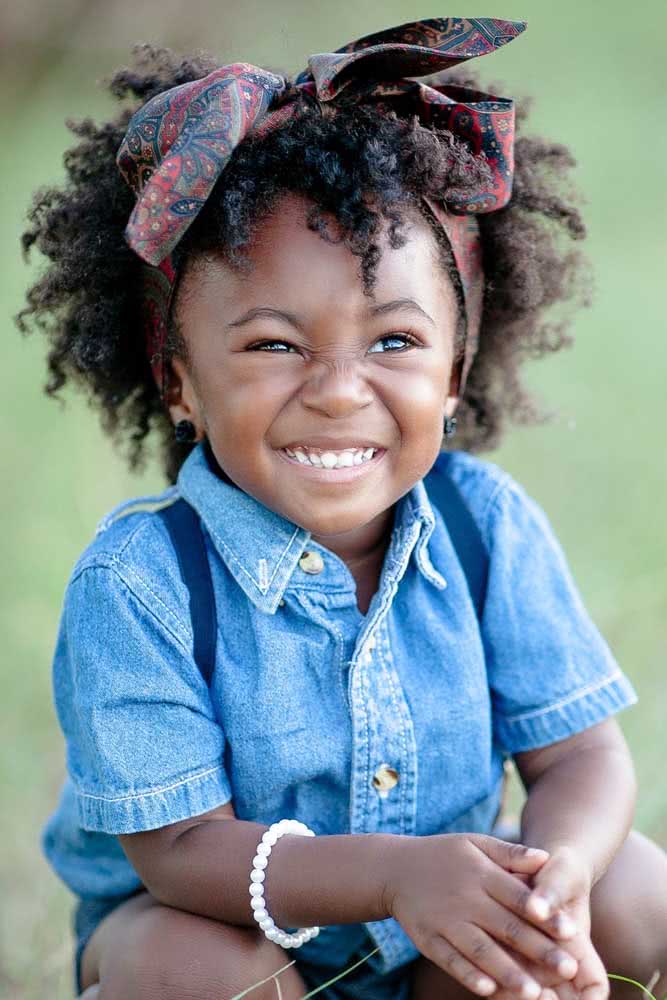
x,y
173,955
629,910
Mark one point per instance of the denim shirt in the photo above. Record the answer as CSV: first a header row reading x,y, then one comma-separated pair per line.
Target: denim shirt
x,y
397,721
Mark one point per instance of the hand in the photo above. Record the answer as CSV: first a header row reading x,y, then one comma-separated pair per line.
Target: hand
x,y
456,896
564,883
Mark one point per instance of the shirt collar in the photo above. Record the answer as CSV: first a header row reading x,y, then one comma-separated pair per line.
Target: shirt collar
x,y
260,548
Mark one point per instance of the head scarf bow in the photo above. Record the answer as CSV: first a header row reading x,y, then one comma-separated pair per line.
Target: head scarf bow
x,y
178,143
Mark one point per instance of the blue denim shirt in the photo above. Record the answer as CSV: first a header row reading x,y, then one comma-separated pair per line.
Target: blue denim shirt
x,y
310,699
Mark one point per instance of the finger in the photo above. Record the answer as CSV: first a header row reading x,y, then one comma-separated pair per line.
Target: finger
x,y
480,949
591,980
512,857
450,960
511,892
557,883
545,976
509,928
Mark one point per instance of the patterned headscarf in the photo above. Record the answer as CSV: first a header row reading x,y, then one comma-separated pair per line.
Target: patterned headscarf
x,y
178,144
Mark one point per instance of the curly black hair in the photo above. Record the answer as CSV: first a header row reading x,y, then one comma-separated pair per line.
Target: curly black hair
x,y
349,161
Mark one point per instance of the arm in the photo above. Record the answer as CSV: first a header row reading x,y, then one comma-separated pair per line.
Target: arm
x,y
203,864
581,796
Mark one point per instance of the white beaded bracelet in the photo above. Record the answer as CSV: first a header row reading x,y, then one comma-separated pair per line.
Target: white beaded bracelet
x,y
257,875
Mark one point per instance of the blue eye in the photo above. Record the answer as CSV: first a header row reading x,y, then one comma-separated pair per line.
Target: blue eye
x,y
403,339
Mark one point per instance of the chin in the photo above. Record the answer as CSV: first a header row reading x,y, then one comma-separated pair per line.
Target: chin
x,y
330,524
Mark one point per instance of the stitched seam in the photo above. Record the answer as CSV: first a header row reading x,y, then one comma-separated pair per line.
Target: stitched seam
x,y
263,575
389,672
341,649
234,558
493,502
125,508
144,523
581,693
152,791
114,569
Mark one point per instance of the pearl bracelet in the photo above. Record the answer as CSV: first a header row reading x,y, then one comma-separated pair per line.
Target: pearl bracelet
x,y
257,875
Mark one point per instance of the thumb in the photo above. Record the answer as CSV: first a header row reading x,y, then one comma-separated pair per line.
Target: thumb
x,y
513,857
559,881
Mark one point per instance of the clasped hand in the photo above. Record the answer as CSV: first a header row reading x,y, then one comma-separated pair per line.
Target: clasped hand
x,y
502,919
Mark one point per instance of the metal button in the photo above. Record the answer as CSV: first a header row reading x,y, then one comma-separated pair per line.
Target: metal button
x,y
311,562
384,779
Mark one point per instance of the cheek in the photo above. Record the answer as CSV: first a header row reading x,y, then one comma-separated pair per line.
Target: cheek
x,y
418,393
243,395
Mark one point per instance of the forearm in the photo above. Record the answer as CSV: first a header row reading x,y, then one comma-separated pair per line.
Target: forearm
x,y
309,880
584,801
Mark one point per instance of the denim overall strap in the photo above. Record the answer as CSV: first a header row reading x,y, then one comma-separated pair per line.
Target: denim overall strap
x,y
185,531
463,531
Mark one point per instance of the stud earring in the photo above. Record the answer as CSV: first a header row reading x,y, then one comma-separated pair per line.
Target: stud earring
x,y
185,432
450,426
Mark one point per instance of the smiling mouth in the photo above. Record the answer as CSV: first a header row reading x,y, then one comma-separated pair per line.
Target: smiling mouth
x,y
333,466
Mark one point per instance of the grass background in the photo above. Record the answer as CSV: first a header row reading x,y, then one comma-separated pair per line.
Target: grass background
x,y
600,81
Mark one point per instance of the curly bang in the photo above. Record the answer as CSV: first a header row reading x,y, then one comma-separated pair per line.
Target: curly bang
x,y
352,163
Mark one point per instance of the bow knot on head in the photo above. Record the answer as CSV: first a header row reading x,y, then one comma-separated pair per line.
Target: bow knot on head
x,y
178,144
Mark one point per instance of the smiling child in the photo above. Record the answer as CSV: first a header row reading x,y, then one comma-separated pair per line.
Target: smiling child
x,y
301,287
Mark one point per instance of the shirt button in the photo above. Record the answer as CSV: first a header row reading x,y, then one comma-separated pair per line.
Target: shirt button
x,y
311,562
384,779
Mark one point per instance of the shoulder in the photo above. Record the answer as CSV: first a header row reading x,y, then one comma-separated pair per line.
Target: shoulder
x,y
482,484
501,507
132,551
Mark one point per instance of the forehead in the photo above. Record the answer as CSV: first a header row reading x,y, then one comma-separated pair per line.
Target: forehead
x,y
296,267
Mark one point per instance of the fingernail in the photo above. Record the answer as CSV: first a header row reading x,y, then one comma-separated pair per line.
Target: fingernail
x,y
486,986
530,990
540,906
567,968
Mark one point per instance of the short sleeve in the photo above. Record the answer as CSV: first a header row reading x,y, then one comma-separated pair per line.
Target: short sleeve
x,y
144,748
551,674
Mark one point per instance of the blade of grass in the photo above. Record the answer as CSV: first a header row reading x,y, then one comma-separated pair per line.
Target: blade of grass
x,y
254,986
340,976
633,982
312,993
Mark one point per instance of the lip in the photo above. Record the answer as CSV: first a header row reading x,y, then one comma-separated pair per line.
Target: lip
x,y
345,475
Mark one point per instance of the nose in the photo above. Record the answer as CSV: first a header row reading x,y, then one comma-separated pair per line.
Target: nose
x,y
336,389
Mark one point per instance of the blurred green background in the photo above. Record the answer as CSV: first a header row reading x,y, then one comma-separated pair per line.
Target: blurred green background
x,y
599,78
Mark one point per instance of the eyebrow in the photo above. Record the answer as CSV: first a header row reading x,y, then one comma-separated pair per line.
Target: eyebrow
x,y
397,305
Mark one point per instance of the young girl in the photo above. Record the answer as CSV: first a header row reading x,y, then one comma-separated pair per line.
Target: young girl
x,y
310,281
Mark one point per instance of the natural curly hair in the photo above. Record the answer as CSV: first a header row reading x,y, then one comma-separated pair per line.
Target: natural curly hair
x,y
350,161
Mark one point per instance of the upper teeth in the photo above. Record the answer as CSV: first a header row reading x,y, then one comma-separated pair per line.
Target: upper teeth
x,y
332,459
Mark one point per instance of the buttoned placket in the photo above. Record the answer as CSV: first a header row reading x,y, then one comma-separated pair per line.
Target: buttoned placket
x,y
383,732
384,753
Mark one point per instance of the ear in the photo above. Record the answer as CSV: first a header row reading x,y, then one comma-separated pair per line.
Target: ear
x,y
453,393
181,397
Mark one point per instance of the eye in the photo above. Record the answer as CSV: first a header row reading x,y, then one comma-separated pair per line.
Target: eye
x,y
265,345
403,339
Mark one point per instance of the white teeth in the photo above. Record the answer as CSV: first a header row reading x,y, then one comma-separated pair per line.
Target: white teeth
x,y
332,459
